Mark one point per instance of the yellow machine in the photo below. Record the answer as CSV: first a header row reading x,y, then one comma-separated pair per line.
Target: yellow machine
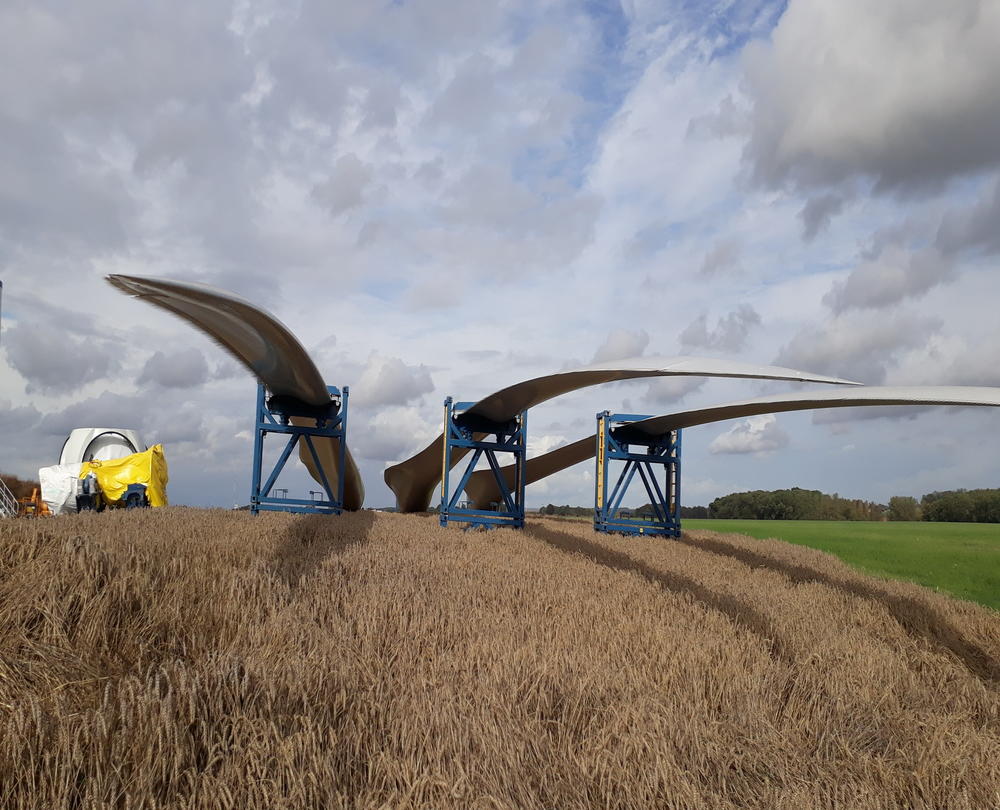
x,y
32,506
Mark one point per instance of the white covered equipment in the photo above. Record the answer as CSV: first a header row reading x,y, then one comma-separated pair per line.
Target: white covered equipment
x,y
59,487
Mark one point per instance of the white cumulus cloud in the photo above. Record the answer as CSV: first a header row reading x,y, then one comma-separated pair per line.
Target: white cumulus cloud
x,y
621,344
389,381
755,434
901,91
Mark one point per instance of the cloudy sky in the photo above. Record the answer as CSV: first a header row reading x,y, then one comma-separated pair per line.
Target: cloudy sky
x,y
444,198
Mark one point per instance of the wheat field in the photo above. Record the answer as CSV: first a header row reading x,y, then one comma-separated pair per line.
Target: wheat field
x,y
184,658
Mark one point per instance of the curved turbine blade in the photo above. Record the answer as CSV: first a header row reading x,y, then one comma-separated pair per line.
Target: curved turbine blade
x,y
265,346
482,488
414,480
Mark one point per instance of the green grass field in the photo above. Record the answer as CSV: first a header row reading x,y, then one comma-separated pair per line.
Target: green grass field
x,y
960,558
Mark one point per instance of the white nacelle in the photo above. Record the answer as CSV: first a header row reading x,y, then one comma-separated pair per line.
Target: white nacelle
x,y
102,444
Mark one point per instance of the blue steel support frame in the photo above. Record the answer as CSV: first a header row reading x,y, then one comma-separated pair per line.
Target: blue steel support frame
x,y
659,451
277,420
511,439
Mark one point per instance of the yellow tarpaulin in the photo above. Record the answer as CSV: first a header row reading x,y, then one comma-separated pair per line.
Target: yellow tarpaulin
x,y
114,475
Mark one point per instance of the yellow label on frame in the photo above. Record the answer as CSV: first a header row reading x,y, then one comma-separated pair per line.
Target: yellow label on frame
x,y
600,462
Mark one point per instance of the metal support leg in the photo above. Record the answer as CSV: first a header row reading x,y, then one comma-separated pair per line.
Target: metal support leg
x,y
258,451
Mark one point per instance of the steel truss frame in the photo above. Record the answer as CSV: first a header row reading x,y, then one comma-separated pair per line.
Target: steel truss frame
x,y
470,434
614,443
275,417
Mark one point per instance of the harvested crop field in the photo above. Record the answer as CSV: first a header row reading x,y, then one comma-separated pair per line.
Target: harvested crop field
x,y
189,658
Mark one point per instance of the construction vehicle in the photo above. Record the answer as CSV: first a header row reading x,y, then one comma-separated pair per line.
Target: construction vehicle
x,y
33,505
24,506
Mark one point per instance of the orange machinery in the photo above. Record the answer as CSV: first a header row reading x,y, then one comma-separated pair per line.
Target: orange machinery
x,y
32,506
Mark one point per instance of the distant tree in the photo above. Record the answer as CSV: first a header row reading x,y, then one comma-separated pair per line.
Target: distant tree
x,y
19,487
903,507
646,510
987,508
792,504
565,510
950,507
962,506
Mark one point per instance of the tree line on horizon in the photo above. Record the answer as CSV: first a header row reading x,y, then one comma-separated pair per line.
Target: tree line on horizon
x,y
19,487
950,506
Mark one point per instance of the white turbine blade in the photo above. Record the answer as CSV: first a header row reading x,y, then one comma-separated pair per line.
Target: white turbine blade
x,y
265,346
482,489
414,480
